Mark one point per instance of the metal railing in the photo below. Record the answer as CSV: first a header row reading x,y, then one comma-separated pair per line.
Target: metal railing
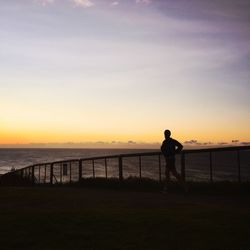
x,y
75,170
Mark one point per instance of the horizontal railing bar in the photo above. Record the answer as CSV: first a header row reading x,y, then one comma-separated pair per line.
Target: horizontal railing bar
x,y
142,154
190,151
53,162
100,157
120,155
64,161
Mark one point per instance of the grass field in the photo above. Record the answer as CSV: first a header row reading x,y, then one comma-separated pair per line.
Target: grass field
x,y
84,218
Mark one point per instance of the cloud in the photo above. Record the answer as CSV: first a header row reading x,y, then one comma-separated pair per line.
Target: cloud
x,y
131,142
191,142
146,2
44,2
83,3
207,143
196,143
222,143
245,143
235,141
100,142
115,3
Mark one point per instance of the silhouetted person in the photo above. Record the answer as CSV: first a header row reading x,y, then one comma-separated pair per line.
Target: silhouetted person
x,y
169,148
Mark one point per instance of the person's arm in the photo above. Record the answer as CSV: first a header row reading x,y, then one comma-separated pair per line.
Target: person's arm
x,y
179,147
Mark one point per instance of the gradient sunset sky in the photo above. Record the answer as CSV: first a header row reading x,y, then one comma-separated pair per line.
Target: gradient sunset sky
x,y
125,70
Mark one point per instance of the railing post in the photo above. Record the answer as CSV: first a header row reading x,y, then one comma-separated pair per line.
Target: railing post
x,y
22,175
65,169
159,160
29,173
45,173
238,161
61,173
183,167
93,168
211,166
70,174
106,169
140,167
51,173
33,175
39,174
80,170
120,168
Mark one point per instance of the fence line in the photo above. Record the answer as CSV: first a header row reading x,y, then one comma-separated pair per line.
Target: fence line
x,y
73,170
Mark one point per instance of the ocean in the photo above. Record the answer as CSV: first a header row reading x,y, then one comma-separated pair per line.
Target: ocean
x,y
197,165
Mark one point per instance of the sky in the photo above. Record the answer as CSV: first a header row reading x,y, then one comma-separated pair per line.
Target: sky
x,y
105,72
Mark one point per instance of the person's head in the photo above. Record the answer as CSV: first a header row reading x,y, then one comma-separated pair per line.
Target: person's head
x,y
167,133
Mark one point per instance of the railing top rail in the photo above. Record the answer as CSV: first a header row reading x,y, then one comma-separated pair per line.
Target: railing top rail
x,y
53,162
153,153
235,148
121,155
61,161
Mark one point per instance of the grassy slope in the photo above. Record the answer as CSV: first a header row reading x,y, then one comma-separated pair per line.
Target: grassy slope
x,y
81,218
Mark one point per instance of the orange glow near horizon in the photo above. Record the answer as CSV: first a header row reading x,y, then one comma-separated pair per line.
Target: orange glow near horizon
x,y
42,136
28,123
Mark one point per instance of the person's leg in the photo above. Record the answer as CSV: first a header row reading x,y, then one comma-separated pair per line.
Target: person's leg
x,y
176,174
167,177
167,174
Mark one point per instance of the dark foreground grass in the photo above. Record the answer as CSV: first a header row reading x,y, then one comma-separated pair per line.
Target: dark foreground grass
x,y
84,218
